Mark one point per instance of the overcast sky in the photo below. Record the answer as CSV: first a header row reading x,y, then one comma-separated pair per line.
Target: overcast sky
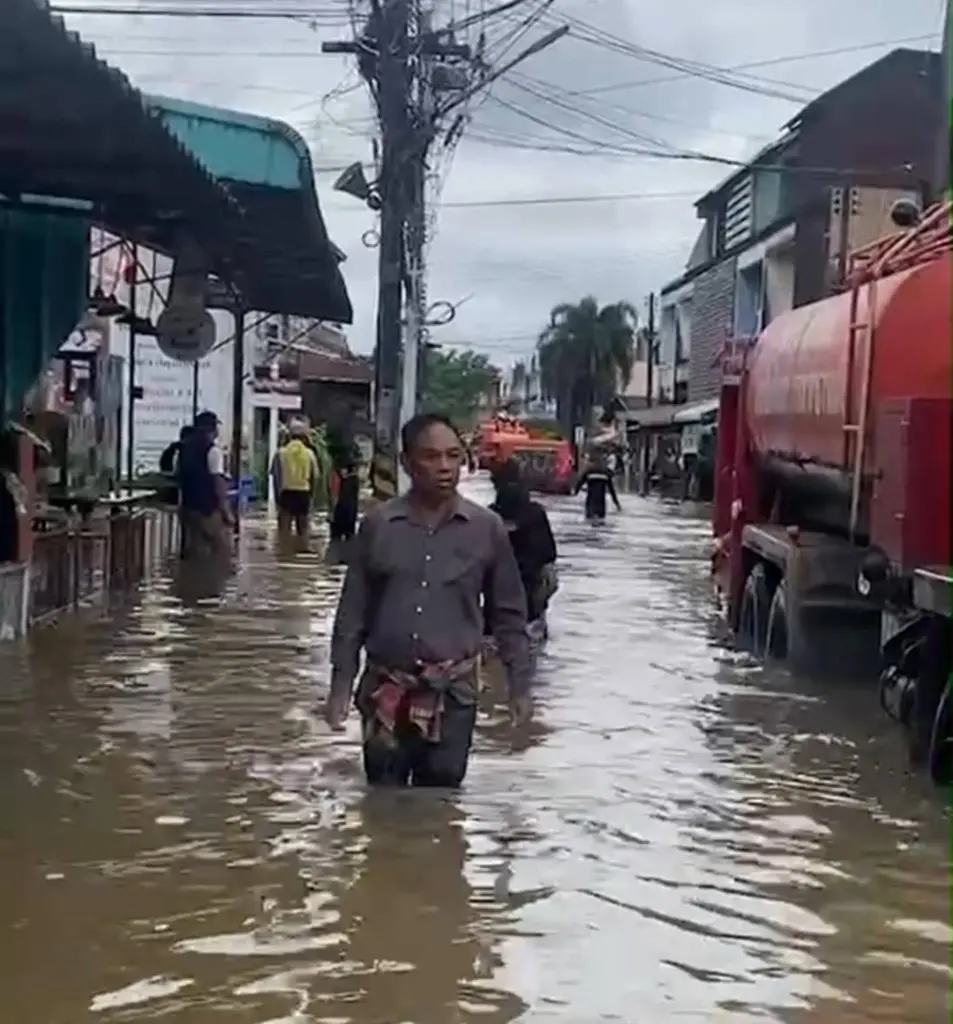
x,y
509,264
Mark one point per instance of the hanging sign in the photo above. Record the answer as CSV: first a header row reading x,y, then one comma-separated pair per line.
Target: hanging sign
x,y
185,333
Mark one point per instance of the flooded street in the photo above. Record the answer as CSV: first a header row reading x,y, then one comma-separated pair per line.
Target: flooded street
x,y
681,836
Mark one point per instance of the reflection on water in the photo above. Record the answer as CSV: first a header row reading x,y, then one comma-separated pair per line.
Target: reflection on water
x,y
682,837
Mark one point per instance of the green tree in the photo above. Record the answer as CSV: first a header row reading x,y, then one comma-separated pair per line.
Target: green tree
x,y
585,356
457,383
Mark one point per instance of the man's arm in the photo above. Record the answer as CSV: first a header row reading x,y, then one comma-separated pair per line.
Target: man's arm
x,y
506,603
351,620
581,482
547,542
216,466
610,486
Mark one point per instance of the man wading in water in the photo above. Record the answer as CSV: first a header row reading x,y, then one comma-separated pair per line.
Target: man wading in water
x,y
412,599
597,480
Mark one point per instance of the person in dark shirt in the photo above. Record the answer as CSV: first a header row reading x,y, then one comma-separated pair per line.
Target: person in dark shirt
x,y
422,569
531,537
597,481
344,514
169,464
170,455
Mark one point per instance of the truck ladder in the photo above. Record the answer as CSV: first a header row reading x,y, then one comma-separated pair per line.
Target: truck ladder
x,y
902,250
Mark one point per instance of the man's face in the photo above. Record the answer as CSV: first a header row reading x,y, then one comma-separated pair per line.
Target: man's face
x,y
435,461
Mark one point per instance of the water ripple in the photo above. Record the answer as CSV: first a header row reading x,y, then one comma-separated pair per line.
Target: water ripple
x,y
680,837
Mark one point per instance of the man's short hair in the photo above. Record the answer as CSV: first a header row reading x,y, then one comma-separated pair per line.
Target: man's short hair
x,y
414,428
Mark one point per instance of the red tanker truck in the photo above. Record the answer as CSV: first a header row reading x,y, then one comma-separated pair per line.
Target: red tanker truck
x,y
832,483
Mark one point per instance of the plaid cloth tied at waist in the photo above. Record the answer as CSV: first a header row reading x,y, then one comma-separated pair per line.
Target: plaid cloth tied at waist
x,y
395,697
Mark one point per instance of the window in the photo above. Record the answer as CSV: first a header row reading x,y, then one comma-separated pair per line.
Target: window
x,y
715,233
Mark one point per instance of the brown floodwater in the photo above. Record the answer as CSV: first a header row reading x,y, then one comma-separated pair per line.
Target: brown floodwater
x,y
682,836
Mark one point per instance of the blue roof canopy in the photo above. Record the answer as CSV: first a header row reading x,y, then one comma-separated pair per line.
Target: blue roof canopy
x,y
287,261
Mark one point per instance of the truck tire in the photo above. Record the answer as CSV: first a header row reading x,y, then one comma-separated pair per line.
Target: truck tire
x,y
776,635
753,617
939,759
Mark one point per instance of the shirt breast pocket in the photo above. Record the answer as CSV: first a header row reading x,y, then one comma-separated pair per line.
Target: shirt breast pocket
x,y
463,571
386,561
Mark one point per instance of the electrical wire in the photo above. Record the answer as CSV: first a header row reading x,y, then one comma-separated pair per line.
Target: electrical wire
x,y
572,99
332,17
591,35
770,62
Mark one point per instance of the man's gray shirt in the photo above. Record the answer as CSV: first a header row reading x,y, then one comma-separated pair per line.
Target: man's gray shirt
x,y
412,594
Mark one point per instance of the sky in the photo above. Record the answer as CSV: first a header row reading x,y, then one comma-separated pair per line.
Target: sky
x,y
570,124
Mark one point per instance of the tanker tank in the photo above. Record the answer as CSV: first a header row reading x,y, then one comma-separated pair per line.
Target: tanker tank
x,y
799,397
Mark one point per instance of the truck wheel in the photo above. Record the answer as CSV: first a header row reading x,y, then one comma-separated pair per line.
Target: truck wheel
x,y
940,761
753,619
776,637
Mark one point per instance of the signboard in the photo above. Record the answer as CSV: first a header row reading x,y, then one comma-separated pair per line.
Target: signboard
x,y
185,333
167,401
691,438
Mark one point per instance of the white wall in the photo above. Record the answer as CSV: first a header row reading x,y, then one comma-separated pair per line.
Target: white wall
x,y
166,404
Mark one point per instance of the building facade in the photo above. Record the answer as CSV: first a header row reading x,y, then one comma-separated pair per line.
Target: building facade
x,y
778,232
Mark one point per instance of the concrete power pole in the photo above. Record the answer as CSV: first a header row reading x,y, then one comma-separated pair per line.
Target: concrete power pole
x,y
398,53
650,352
389,56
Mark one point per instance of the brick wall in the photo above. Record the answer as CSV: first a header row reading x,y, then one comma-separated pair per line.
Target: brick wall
x,y
713,303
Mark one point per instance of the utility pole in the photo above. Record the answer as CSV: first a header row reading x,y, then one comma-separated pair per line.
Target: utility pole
x,y
409,65
388,58
649,389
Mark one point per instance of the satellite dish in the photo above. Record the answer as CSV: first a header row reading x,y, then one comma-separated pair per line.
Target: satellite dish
x,y
185,333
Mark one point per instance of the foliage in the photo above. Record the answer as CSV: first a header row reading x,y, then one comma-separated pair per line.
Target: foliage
x,y
322,449
586,354
456,383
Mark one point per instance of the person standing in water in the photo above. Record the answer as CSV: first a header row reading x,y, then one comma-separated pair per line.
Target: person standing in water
x,y
344,513
597,480
207,518
423,566
532,539
295,472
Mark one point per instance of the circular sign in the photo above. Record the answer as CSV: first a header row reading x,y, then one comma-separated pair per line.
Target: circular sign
x,y
185,333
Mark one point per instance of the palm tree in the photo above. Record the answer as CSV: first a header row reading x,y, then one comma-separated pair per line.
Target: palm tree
x,y
586,356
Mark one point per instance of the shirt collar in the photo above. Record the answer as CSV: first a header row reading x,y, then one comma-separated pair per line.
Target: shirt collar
x,y
400,508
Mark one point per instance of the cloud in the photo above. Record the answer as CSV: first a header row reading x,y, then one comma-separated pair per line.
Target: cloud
x,y
596,92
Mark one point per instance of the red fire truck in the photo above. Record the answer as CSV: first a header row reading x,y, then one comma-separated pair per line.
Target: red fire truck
x,y
832,483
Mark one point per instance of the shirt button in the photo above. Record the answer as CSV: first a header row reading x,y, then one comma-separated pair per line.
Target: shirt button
x,y
423,583
419,610
426,558
414,636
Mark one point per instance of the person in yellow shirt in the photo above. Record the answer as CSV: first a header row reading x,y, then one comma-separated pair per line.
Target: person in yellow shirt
x,y
295,473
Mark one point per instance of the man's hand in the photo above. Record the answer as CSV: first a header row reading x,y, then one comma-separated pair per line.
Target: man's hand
x,y
335,713
521,709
